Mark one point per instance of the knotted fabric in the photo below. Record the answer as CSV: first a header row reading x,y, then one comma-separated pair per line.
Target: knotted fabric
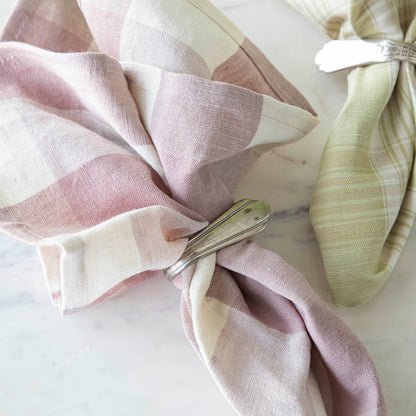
x,y
124,127
364,202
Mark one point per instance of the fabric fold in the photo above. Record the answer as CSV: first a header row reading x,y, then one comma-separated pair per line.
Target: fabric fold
x,y
80,268
118,144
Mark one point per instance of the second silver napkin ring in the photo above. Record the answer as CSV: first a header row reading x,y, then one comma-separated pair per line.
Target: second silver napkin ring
x,y
341,54
244,219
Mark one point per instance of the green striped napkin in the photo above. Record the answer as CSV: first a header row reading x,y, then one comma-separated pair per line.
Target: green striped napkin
x,y
364,203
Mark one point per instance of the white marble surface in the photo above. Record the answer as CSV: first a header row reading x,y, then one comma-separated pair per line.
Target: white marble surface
x,y
128,356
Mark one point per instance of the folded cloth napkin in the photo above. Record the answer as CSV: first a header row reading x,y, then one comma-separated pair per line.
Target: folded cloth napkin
x,y
364,203
124,128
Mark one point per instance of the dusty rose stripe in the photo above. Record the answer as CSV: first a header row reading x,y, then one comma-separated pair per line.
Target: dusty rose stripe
x,y
21,76
28,27
44,214
355,387
100,20
240,70
255,300
196,122
322,378
232,177
24,74
277,82
56,297
101,189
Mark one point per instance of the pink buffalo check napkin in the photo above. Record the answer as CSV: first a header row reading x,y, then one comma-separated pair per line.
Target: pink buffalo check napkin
x,y
124,127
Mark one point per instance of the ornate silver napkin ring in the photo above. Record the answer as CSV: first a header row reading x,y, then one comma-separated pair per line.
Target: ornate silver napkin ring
x,y
341,54
244,219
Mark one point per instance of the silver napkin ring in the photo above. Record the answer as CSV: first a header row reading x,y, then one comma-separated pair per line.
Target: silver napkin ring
x,y
341,54
244,219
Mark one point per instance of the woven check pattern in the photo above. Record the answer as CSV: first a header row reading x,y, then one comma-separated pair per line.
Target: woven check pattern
x,y
364,202
124,128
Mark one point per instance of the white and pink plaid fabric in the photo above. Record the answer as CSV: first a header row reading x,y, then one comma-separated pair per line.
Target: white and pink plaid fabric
x,y
124,127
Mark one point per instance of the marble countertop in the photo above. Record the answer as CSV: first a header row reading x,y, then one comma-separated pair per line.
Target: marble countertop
x,y
128,356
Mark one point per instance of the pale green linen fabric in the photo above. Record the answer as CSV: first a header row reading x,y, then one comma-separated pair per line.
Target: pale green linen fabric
x,y
364,203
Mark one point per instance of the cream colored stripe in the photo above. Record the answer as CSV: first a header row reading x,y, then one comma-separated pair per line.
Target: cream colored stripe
x,y
314,392
24,170
282,123
95,260
144,82
208,315
188,24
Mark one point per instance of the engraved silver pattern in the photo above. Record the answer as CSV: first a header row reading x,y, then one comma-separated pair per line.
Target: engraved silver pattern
x,y
244,219
337,55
